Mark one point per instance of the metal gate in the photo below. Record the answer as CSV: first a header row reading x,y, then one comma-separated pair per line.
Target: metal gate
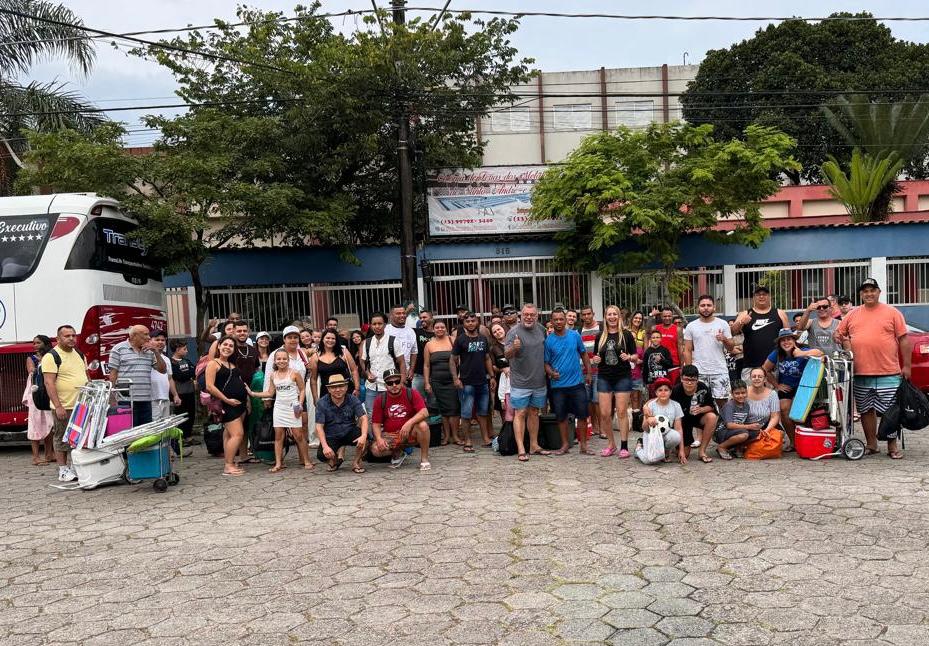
x,y
482,285
272,308
793,287
642,290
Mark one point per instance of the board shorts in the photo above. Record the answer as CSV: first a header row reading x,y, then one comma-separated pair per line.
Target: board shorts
x,y
521,398
570,401
875,393
718,385
59,427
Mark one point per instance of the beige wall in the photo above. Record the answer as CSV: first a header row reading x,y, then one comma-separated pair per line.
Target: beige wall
x,y
512,135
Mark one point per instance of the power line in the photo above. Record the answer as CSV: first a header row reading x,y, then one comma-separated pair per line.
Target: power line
x,y
615,16
141,41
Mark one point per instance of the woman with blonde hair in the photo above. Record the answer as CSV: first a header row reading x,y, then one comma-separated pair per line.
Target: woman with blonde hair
x,y
614,353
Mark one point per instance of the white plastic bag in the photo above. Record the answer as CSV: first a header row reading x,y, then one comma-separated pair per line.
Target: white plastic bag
x,y
653,446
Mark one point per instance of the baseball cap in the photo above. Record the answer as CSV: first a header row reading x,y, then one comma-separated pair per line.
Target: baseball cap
x,y
261,334
290,329
761,288
786,332
390,373
868,282
661,381
460,308
157,333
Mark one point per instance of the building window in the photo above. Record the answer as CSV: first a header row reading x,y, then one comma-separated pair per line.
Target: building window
x,y
635,114
511,120
571,117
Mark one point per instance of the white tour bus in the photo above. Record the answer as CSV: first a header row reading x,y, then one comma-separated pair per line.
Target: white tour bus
x,y
68,259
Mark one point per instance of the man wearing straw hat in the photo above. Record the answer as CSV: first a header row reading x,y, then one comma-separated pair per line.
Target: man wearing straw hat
x,y
341,420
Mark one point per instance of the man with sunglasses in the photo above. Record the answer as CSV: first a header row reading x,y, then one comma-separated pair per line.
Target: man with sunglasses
x,y
821,330
399,421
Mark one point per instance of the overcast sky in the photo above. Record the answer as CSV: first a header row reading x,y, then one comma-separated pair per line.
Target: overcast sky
x,y
556,44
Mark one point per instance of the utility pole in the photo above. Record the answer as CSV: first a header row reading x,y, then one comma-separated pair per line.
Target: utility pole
x,y
407,243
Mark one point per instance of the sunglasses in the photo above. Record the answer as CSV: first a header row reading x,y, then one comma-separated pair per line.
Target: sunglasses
x,y
392,382
824,307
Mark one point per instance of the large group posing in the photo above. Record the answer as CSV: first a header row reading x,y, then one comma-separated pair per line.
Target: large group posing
x,y
374,391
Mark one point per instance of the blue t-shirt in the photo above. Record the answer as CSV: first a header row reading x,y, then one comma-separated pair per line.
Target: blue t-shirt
x,y
563,353
339,420
789,370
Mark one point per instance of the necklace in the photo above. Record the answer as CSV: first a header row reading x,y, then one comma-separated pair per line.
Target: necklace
x,y
244,355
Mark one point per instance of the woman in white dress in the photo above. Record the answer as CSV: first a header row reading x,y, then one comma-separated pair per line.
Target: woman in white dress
x,y
286,386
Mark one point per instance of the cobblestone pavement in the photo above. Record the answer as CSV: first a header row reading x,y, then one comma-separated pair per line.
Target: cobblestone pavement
x,y
481,550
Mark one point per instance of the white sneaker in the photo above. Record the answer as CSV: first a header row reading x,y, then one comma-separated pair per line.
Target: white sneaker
x,y
695,444
397,461
66,474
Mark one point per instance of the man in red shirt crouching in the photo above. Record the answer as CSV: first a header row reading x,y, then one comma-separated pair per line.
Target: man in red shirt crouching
x,y
399,421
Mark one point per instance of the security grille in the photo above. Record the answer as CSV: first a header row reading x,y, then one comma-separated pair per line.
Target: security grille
x,y
907,281
793,287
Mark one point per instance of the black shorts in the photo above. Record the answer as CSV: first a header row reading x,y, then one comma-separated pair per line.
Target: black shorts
x,y
688,424
790,394
336,442
570,401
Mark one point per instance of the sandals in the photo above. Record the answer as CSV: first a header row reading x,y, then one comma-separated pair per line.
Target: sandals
x,y
425,466
235,473
358,469
523,457
541,452
608,451
467,448
895,455
333,467
723,454
277,469
705,459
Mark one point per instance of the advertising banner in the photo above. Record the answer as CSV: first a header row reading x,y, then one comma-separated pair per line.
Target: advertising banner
x,y
485,201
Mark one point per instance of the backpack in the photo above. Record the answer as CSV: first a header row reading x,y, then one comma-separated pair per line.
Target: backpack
x,y
914,406
40,396
213,438
506,441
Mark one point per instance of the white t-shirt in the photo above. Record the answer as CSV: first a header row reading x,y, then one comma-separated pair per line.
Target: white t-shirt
x,y
160,387
404,342
709,354
296,364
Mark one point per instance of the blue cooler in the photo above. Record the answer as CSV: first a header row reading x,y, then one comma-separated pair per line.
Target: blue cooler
x,y
151,463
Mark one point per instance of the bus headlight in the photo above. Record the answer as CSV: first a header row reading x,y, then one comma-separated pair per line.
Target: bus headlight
x,y
93,339
93,365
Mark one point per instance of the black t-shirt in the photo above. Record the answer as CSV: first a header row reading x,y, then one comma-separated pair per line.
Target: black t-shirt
x,y
498,356
245,358
656,363
183,372
471,350
760,337
611,367
422,338
701,397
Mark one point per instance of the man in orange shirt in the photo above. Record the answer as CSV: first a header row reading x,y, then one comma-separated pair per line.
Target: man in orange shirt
x,y
877,335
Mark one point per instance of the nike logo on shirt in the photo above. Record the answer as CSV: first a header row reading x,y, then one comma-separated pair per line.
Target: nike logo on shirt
x,y
760,324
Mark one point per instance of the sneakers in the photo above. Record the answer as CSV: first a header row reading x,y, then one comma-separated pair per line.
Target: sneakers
x,y
695,444
397,461
66,474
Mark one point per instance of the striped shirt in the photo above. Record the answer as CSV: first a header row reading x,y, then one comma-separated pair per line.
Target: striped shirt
x,y
135,368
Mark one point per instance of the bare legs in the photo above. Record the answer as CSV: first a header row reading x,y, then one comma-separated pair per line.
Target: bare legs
x,y
232,440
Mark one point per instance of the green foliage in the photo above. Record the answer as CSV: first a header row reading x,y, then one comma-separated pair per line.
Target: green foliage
x,y
810,62
338,98
868,176
646,189
23,43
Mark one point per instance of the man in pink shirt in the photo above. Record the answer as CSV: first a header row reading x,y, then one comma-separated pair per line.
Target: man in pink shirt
x,y
877,335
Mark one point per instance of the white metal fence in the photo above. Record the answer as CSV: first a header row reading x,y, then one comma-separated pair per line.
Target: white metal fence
x,y
908,281
642,290
482,285
794,286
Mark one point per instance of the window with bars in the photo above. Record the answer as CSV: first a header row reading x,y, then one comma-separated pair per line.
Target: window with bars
x,y
635,114
516,119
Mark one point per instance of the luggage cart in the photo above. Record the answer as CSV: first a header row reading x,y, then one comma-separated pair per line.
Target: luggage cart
x,y
839,376
154,463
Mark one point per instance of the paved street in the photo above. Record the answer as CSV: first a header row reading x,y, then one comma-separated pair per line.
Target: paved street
x,y
481,550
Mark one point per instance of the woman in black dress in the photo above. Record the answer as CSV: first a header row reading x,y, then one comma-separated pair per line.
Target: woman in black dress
x,y
438,381
332,359
225,384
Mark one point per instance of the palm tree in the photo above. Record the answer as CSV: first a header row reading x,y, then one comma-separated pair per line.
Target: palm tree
x,y
32,31
869,179
892,131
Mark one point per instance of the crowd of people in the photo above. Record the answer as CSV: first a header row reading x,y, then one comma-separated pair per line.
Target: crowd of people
x,y
375,390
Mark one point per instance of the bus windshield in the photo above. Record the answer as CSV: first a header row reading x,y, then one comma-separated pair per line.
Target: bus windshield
x,y
105,245
22,241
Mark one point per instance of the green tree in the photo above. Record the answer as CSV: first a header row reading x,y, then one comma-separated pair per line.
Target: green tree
x,y
869,185
878,131
341,96
53,30
210,184
630,196
782,75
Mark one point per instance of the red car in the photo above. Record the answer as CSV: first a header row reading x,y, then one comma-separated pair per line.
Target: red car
x,y
920,374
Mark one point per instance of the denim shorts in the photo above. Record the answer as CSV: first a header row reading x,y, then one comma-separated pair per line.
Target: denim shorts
x,y
521,398
621,385
474,400
592,390
570,401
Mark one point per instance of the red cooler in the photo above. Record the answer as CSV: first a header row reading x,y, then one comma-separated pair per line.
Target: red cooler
x,y
811,443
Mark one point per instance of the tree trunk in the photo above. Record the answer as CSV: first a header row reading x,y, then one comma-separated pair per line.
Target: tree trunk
x,y
667,275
